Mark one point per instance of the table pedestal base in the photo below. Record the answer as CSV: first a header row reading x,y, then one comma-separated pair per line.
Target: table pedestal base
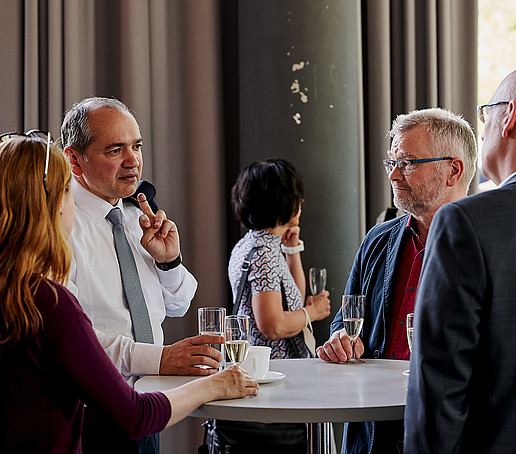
x,y
319,438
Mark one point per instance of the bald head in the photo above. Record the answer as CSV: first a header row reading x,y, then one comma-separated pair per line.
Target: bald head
x,y
499,139
506,90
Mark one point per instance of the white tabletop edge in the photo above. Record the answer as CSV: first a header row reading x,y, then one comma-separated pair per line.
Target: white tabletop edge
x,y
312,391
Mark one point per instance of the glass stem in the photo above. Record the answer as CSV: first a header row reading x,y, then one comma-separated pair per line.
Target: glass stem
x,y
353,349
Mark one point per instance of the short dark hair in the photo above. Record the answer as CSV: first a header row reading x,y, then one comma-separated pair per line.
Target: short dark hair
x,y
76,130
267,193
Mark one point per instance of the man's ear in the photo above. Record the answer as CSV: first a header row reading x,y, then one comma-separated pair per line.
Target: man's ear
x,y
75,159
456,172
509,119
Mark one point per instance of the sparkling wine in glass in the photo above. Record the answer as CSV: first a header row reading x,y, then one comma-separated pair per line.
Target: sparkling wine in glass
x,y
317,277
353,319
410,331
237,337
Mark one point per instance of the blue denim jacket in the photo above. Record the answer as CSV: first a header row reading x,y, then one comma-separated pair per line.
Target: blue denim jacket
x,y
372,275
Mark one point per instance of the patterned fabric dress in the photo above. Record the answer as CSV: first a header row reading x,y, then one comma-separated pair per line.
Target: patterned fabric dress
x,y
267,273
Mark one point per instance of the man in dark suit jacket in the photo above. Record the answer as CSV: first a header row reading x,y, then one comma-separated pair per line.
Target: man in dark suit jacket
x,y
461,395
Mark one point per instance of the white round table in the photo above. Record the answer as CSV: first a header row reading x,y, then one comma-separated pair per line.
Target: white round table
x,y
313,392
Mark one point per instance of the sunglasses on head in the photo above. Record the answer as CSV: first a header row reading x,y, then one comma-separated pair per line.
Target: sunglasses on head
x,y
33,134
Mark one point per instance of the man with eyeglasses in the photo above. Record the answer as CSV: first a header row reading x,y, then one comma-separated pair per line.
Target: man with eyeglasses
x,y
432,161
461,396
126,270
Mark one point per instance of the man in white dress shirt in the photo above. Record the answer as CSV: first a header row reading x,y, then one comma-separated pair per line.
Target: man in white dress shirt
x,y
103,142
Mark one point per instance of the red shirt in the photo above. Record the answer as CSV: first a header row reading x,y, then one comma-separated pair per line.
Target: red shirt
x,y
405,287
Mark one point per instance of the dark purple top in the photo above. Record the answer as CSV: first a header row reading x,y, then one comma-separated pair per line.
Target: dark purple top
x,y
45,382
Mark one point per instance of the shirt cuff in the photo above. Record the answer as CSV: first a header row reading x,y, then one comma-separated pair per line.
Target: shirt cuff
x,y
146,359
171,278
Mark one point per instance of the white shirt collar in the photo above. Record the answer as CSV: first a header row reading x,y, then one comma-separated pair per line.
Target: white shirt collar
x,y
92,205
504,182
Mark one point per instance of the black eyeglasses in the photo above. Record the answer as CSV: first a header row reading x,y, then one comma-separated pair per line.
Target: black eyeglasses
x,y
405,165
482,110
33,134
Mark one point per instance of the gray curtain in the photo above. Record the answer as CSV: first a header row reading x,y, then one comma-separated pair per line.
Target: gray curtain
x,y
161,58
164,59
417,54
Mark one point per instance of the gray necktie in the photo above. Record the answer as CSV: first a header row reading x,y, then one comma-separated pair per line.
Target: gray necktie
x,y
131,282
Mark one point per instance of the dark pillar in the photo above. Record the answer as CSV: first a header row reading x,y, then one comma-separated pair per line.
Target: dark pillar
x,y
297,94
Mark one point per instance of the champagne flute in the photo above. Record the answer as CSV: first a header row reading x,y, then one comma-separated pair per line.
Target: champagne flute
x,y
237,337
317,278
410,330
353,319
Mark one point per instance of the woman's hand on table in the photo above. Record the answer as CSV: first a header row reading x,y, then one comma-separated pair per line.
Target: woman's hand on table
x,y
337,349
233,383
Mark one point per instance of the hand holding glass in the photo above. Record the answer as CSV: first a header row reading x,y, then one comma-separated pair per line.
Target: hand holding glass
x,y
237,337
211,321
317,278
353,319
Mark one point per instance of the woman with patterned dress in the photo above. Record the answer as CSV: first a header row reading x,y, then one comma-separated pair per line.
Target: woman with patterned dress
x,y
267,198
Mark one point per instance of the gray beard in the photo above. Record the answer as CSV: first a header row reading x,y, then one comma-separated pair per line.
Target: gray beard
x,y
432,198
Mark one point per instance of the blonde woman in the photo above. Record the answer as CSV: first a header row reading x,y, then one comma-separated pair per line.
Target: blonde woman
x,y
51,361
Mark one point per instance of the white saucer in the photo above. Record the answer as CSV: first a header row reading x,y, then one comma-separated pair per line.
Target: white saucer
x,y
271,376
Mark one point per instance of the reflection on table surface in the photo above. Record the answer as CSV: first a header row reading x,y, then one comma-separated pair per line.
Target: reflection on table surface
x,y
312,391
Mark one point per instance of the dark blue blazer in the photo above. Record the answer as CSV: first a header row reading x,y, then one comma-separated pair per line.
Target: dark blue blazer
x,y
462,384
373,275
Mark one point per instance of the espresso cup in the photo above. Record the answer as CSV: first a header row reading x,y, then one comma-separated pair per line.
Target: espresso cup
x,y
257,362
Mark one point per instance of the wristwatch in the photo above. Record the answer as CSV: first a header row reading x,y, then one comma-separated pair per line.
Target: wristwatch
x,y
170,265
294,249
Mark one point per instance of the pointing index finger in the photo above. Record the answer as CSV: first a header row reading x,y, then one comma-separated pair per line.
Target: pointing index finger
x,y
144,205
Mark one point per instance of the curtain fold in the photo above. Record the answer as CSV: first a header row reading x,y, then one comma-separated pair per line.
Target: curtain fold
x,y
378,86
55,66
